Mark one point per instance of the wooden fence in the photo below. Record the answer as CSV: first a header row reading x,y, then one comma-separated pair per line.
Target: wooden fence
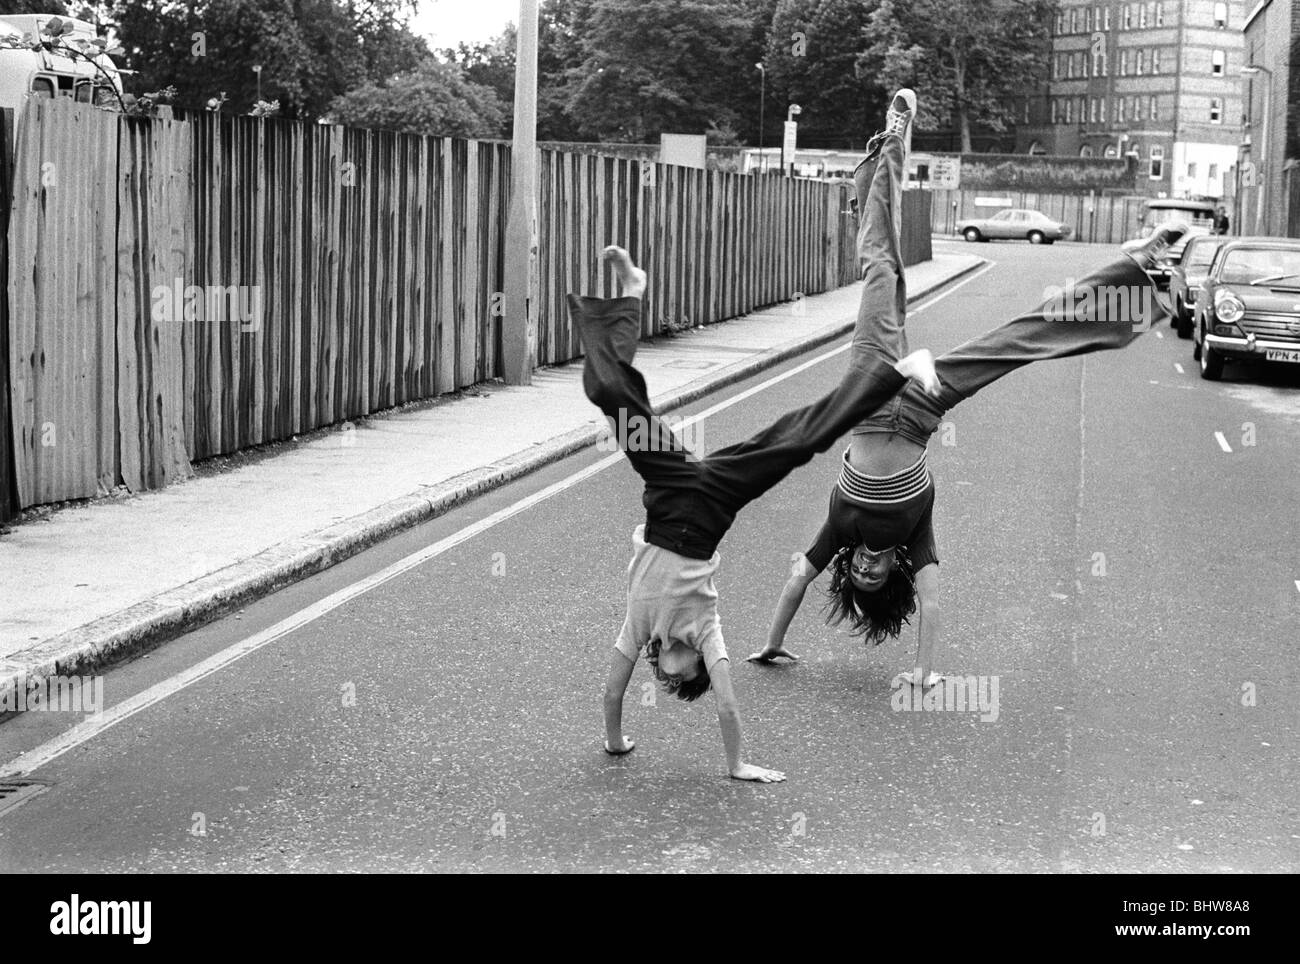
x,y
1100,219
185,288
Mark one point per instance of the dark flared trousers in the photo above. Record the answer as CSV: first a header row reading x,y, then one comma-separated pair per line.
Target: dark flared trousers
x,y
691,502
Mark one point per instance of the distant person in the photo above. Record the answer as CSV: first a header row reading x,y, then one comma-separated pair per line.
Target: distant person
x,y
1221,222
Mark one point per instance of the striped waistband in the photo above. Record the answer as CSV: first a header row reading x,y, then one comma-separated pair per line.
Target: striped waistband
x,y
882,490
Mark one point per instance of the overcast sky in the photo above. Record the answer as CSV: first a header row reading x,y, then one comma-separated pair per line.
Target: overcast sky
x,y
449,22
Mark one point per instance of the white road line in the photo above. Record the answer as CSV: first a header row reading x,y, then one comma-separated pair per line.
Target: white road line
x,y
92,726
960,284
1297,585
1223,442
1160,334
1178,368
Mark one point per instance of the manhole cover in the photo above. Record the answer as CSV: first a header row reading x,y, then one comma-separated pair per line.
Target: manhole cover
x,y
14,793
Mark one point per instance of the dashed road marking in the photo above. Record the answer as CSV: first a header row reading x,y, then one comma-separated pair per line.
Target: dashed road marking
x,y
1223,442
1178,368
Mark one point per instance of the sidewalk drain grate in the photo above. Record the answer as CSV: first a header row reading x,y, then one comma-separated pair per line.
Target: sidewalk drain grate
x,y
14,793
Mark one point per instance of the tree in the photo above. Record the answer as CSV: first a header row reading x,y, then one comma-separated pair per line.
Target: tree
x,y
649,66
310,51
969,59
812,55
433,99
8,7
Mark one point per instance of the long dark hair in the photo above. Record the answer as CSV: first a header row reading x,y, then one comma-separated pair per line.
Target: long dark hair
x,y
875,616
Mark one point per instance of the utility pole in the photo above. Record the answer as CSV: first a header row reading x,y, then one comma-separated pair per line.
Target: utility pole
x,y
518,334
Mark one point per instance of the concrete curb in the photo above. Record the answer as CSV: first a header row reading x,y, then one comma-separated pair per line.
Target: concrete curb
x,y
177,611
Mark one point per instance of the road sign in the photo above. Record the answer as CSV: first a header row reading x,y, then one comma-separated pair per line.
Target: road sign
x,y
788,142
945,172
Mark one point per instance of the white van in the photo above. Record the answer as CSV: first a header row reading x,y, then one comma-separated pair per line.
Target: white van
x,y
26,73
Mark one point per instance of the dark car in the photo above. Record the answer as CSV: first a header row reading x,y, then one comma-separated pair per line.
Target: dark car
x,y
1248,306
1186,276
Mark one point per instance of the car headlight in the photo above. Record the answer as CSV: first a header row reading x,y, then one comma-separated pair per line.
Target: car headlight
x,y
1227,306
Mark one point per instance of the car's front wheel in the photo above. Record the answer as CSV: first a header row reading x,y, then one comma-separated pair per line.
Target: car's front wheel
x,y
972,234
1182,321
1036,237
1211,360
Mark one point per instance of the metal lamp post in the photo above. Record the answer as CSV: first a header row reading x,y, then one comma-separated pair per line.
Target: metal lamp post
x,y
762,118
1261,183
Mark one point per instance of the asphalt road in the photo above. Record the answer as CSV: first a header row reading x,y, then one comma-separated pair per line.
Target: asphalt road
x,y
1131,586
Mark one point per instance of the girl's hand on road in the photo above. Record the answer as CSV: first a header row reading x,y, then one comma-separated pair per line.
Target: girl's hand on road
x,y
747,771
911,676
628,746
772,655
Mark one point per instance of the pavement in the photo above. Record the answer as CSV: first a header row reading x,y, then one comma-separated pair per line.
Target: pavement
x,y
1118,553
88,584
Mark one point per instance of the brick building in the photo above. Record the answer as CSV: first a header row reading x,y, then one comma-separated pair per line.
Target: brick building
x,y
1160,81
1269,140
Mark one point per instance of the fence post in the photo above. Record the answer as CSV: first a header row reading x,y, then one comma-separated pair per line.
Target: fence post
x,y
517,334
8,480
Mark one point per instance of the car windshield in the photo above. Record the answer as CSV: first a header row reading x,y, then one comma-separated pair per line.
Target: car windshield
x,y
1250,266
1199,255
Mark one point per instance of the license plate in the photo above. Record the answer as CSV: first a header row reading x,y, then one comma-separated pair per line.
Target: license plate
x,y
1282,354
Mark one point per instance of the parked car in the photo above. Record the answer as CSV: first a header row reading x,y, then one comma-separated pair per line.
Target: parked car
x,y
1163,271
1248,306
1186,276
1033,226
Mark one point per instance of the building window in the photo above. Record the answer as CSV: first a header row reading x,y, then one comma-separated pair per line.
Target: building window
x,y
1052,109
1128,17
1214,172
1085,151
1137,61
1157,164
1025,115
1218,61
1160,14
1155,60
1155,110
1096,18
1142,17
1083,64
1191,170
1106,18
1069,110
1060,23
1123,63
1119,110
1092,110
1087,19
1216,111
1220,15
1101,110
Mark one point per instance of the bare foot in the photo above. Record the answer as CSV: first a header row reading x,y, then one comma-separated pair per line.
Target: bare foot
x,y
631,279
920,366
